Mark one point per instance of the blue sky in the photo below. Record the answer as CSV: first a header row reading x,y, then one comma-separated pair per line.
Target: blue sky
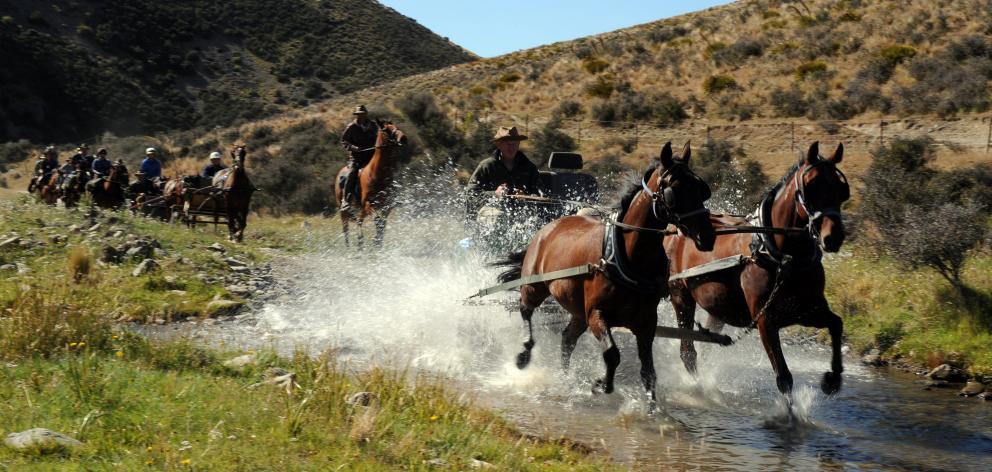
x,y
494,28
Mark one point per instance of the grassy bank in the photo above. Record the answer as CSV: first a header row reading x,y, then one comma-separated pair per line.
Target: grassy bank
x,y
915,315
67,364
176,407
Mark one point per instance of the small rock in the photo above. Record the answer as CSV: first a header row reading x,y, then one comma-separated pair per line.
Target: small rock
x,y
437,463
241,362
111,255
75,228
872,360
23,269
235,262
25,243
138,252
240,269
928,384
6,267
178,292
39,438
56,238
987,396
117,234
146,266
941,372
94,228
159,321
362,399
972,388
239,290
477,464
160,253
169,279
222,307
216,247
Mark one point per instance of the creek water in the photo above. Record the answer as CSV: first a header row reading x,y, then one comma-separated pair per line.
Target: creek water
x,y
404,306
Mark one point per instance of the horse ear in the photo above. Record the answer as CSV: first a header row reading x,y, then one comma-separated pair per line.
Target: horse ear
x,y
666,155
686,152
838,154
813,154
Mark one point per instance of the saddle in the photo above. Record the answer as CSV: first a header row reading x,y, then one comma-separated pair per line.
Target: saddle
x,y
617,266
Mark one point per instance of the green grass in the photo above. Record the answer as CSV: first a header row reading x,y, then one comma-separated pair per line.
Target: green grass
x,y
135,406
915,315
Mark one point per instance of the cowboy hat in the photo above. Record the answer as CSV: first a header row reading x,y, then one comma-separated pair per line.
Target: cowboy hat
x,y
360,110
508,134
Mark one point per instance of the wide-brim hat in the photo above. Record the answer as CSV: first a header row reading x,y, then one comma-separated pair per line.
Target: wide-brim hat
x,y
504,134
360,110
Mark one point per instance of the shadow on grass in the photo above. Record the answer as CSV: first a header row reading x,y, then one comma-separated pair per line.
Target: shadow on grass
x,y
976,304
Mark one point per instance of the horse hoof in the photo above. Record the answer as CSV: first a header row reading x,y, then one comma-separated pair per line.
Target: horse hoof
x,y
600,386
831,383
523,359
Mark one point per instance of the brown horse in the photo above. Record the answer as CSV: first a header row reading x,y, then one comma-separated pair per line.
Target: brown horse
x,y
236,189
47,189
613,296
375,185
781,284
174,194
109,193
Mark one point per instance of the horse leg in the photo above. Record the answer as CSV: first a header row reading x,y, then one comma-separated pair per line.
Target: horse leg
x,y
531,297
380,230
361,234
824,318
569,337
344,228
773,347
685,315
611,354
242,223
645,342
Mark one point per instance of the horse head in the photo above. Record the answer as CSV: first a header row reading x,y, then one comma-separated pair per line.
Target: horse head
x,y
238,155
821,188
118,173
678,196
389,135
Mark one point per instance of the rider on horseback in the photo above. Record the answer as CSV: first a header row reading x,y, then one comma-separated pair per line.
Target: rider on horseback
x,y
508,171
359,140
207,175
83,160
150,165
101,165
47,163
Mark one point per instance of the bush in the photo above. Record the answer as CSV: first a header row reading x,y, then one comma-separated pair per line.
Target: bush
x,y
548,139
594,65
663,34
737,53
810,69
659,109
938,237
716,84
790,102
602,87
567,109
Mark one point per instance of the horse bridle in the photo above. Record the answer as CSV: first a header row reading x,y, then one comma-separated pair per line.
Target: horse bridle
x,y
799,182
663,202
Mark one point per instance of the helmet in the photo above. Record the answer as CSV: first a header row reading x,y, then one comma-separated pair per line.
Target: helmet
x,y
151,150
215,155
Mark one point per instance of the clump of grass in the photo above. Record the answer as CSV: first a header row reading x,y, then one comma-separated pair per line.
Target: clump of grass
x,y
43,321
809,69
594,65
716,84
80,263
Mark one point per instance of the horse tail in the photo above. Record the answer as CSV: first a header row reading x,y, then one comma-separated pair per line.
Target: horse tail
x,y
514,261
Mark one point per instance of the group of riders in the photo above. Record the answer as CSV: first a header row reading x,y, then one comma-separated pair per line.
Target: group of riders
x,y
506,171
85,172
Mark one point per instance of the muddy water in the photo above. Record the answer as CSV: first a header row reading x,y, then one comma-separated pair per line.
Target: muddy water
x,y
404,307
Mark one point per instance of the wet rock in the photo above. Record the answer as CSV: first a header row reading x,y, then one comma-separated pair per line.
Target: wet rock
x,y
7,267
941,372
987,396
362,399
972,388
223,307
94,228
873,358
139,252
40,438
146,266
240,362
929,384
216,247
239,290
111,255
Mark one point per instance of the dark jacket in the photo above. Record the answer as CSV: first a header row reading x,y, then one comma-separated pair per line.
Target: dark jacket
x,y
102,166
211,169
151,167
359,141
45,166
491,173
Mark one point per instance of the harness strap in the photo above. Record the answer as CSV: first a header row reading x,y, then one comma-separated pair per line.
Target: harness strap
x,y
558,274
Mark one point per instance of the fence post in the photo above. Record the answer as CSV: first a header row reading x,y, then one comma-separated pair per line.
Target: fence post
x,y
635,136
707,134
988,140
526,124
881,133
792,128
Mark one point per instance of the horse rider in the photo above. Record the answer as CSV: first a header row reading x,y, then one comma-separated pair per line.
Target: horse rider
x,y
506,172
101,165
358,139
150,165
208,172
143,185
47,163
83,159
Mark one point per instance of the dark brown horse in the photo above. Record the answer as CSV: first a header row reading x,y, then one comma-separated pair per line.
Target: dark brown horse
x,y
236,190
668,193
109,192
376,185
781,284
47,189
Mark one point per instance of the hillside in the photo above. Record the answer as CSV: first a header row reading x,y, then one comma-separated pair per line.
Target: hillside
x,y
75,69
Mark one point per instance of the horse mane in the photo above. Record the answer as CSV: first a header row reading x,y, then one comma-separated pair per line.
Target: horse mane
x,y
785,178
632,186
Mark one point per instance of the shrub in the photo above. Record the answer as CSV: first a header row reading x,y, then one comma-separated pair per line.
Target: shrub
x,y
594,65
789,102
716,84
602,87
663,33
550,138
737,53
897,53
809,69
939,237
714,47
509,77
567,109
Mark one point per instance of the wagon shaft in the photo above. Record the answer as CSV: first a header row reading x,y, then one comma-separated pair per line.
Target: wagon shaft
x,y
692,335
